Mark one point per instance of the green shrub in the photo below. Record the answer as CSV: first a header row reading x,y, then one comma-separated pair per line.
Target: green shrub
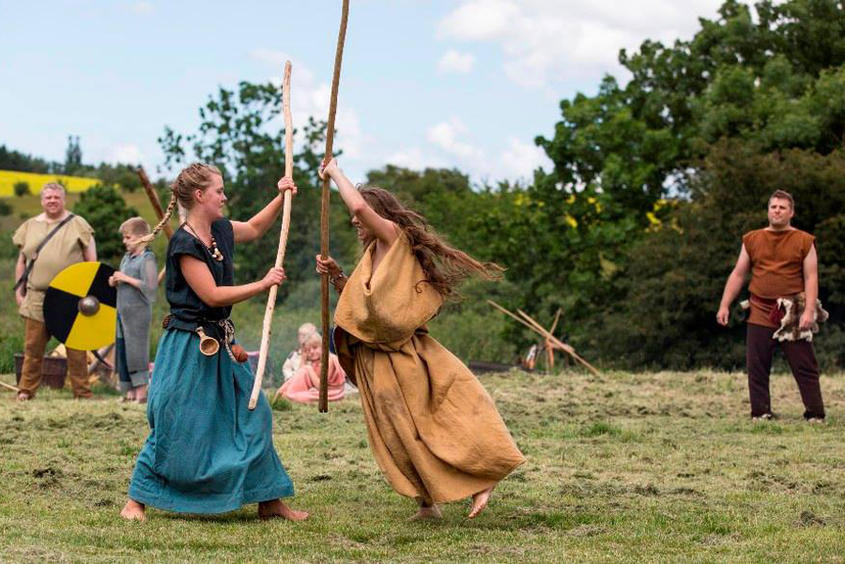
x,y
22,188
105,209
10,343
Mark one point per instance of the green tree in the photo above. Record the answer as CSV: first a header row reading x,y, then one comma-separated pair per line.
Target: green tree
x,y
241,133
105,209
752,103
73,156
15,160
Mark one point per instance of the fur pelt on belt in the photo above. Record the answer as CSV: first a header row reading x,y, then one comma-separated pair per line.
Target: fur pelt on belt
x,y
792,308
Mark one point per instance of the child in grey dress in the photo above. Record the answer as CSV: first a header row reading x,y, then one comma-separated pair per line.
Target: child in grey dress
x,y
136,282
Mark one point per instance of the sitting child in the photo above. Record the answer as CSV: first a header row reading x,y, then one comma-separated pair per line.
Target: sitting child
x,y
304,386
294,359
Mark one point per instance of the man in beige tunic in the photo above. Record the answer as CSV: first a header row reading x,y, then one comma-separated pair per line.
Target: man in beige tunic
x,y
72,243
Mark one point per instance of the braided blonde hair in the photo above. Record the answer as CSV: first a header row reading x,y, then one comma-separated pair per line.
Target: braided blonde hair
x,y
196,176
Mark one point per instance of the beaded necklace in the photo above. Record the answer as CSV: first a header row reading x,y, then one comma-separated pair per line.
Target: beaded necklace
x,y
213,250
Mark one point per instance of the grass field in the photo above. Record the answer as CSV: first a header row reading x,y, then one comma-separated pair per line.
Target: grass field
x,y
622,467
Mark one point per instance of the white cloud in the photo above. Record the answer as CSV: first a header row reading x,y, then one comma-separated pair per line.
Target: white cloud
x,y
520,160
480,20
445,135
454,61
142,8
310,97
127,153
271,57
413,158
547,40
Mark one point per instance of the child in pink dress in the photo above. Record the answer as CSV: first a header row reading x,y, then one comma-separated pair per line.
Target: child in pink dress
x,y
304,386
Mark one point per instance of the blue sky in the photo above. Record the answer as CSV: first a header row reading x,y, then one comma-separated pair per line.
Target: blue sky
x,y
465,83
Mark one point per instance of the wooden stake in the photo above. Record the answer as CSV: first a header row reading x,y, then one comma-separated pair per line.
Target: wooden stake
x,y
554,323
10,387
537,328
323,404
557,342
283,241
550,352
153,196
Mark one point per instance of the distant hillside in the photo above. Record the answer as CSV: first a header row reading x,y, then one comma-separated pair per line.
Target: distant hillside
x,y
8,179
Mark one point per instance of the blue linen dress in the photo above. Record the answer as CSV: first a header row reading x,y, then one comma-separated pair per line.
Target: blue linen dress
x,y
206,452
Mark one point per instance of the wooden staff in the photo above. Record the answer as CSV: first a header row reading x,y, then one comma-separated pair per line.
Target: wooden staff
x,y
536,327
550,352
324,214
10,387
153,196
283,242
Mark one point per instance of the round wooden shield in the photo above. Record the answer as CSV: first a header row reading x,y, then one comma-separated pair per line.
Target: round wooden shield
x,y
80,308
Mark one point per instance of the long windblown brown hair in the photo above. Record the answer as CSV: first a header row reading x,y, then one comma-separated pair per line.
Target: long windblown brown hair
x,y
445,267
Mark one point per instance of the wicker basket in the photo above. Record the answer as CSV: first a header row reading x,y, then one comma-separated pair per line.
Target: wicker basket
x,y
53,370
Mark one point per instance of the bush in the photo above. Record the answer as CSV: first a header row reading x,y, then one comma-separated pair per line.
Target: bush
x,y
5,207
22,188
104,208
10,344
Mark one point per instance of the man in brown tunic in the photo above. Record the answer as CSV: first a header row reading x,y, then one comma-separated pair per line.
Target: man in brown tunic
x,y
783,262
74,242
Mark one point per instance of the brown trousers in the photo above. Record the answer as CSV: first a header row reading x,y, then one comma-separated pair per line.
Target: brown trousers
x,y
35,342
802,361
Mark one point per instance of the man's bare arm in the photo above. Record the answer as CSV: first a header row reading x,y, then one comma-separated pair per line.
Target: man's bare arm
x,y
20,267
734,285
811,288
89,253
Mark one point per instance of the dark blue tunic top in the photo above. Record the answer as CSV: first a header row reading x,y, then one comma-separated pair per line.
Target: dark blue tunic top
x,y
187,309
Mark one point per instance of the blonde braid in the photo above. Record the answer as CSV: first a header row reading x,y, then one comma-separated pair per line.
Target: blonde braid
x,y
194,176
147,239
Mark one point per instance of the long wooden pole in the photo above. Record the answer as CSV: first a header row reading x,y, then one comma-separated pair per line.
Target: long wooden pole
x,y
550,352
324,214
283,242
153,196
10,387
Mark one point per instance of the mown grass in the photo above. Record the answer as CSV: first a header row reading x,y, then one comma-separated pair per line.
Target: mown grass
x,y
622,467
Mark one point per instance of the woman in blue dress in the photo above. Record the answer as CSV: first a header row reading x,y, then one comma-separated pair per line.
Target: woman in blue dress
x,y
206,452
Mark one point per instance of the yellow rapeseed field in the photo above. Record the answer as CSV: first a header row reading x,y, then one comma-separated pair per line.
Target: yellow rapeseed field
x,y
8,179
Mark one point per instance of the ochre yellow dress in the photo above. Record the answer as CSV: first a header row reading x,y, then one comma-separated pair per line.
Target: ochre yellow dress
x,y
433,429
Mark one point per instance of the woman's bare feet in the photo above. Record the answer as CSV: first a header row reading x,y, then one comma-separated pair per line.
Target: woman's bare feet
x,y
140,394
133,511
279,509
479,502
427,512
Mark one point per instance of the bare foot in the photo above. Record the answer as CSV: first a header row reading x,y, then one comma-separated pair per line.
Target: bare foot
x,y
426,513
279,509
24,396
140,395
133,511
479,502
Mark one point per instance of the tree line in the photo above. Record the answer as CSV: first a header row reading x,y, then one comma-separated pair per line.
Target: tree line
x,y
634,230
